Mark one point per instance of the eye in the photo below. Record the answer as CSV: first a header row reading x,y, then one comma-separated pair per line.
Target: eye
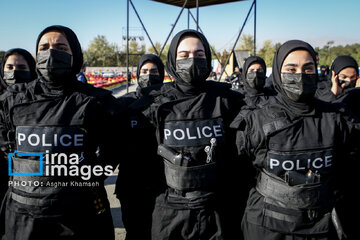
x,y
200,54
290,70
183,55
43,48
22,67
154,71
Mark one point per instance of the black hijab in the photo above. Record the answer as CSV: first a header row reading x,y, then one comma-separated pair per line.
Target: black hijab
x,y
342,62
297,108
28,58
75,48
248,62
154,59
171,60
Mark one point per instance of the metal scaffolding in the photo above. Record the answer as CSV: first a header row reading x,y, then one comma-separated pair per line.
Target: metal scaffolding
x,y
189,4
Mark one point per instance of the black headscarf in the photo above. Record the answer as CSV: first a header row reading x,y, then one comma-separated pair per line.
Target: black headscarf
x,y
171,59
154,59
297,108
342,62
28,58
248,62
75,48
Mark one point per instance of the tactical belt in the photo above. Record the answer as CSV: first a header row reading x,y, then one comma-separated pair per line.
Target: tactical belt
x,y
189,178
304,196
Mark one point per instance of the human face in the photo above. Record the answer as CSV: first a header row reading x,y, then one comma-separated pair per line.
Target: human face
x,y
149,68
255,67
190,47
348,74
299,61
16,62
54,40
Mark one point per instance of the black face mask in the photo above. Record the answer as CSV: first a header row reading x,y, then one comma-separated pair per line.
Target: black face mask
x,y
16,76
256,80
299,87
193,71
149,80
54,65
348,84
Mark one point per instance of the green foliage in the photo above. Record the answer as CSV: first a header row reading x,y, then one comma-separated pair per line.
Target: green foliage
x,y
246,43
158,48
327,54
2,53
102,53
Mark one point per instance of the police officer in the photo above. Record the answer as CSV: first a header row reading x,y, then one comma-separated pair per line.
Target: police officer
x,y
345,73
59,116
192,119
140,170
300,146
17,66
254,78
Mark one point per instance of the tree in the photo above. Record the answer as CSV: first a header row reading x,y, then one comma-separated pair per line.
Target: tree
x,y
101,53
158,48
135,52
246,43
2,53
267,52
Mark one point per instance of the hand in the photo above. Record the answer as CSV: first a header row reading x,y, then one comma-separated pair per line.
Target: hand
x,y
335,88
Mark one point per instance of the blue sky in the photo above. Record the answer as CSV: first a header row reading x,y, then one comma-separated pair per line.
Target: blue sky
x,y
315,21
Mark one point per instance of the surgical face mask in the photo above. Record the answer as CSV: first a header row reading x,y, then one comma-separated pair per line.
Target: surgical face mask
x,y
256,80
16,76
299,86
348,84
149,80
193,71
54,65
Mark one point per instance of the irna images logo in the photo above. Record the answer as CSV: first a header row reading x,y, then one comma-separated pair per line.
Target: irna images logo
x,y
55,165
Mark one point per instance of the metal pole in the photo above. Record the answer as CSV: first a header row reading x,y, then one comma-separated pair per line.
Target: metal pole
x,y
127,47
254,27
188,18
197,15
237,39
142,24
172,29
211,48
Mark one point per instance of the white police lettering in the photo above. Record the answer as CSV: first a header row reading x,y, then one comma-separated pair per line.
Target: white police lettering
x,y
190,134
133,123
301,164
65,140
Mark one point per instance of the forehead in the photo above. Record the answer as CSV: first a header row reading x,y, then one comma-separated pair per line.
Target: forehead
x,y
148,65
349,71
255,65
190,43
53,36
298,57
15,59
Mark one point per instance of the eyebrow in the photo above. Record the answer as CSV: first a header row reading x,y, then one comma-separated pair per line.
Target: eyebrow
x,y
296,65
57,44
308,64
199,50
